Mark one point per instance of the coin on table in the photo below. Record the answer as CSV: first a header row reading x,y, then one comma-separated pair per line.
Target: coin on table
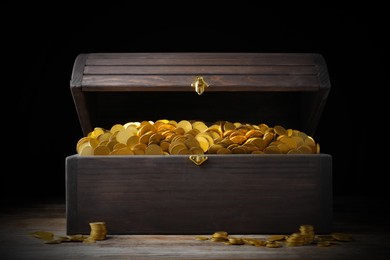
x,y
341,237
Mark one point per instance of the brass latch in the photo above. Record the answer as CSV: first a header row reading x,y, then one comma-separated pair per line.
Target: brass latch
x,y
198,159
199,84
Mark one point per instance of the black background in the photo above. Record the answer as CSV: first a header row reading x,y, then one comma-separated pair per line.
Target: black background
x,y
40,43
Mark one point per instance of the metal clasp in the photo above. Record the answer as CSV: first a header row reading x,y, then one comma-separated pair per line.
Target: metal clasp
x,y
199,84
198,159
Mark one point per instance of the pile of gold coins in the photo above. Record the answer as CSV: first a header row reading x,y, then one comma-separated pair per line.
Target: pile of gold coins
x,y
304,237
169,137
98,232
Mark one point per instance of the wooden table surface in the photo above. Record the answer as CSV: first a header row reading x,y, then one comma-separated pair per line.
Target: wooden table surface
x,y
362,218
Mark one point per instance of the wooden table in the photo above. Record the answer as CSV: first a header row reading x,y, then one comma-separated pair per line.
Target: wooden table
x,y
362,218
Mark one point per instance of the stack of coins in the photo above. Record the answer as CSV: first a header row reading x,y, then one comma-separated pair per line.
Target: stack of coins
x,y
219,236
98,231
165,137
308,232
295,239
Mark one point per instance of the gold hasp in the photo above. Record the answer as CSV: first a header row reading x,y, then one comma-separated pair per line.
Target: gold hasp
x,y
199,84
198,159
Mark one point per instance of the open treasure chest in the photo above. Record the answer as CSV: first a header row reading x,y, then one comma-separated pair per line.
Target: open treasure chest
x,y
192,143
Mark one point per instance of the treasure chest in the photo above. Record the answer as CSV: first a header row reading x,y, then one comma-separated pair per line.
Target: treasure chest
x,y
200,193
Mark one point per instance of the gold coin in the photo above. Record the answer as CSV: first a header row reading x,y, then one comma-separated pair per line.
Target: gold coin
x,y
208,137
275,238
253,133
280,130
185,125
305,149
97,131
289,141
124,151
132,128
239,150
203,143
272,150
110,144
153,149
85,141
140,146
175,149
192,132
196,150
214,131
184,151
258,142
200,126
219,239
123,135
228,126
220,234
294,151
230,147
284,148
86,151
135,124
235,241
202,238
238,139
310,142
224,150
116,128
298,140
44,235
165,127
341,237
225,142
268,137
302,135
144,139
172,122
132,141
82,141
101,150
251,147
324,243
191,142
165,146
155,138
138,151
214,148
273,245
104,137
146,129
117,146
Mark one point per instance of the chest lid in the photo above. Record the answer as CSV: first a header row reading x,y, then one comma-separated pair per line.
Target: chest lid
x,y
289,89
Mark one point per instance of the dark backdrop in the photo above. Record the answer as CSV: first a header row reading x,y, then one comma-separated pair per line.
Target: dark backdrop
x,y
40,127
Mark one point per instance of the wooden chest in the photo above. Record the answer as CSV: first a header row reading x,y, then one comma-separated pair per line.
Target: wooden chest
x,y
170,194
